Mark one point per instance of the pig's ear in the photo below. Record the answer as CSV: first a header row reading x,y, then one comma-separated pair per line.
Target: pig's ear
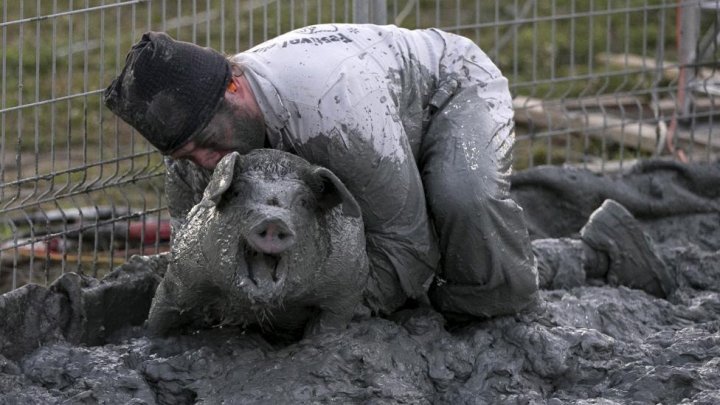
x,y
332,191
222,178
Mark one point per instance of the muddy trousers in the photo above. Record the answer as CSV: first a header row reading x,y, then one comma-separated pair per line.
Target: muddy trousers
x,y
487,264
567,263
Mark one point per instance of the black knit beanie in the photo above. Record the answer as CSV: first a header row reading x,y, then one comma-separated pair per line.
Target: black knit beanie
x,y
168,89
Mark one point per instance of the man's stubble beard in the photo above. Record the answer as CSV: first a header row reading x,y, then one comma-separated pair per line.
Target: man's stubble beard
x,y
248,132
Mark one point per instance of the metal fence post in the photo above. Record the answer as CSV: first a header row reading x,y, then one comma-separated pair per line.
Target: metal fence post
x,y
361,11
379,12
370,11
689,36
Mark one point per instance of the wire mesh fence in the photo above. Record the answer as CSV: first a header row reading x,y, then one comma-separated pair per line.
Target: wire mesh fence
x,y
596,83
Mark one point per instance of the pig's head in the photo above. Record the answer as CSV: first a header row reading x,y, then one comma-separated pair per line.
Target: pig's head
x,y
266,222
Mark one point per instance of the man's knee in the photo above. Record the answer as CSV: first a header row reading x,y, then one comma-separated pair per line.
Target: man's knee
x,y
524,288
456,199
510,288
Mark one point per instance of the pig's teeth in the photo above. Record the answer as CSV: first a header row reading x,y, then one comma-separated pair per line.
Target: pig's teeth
x,y
271,263
249,256
251,270
274,271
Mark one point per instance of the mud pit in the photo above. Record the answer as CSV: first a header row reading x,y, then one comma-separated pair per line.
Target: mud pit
x,y
588,344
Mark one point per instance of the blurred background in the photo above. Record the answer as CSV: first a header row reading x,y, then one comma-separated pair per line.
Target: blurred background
x,y
597,84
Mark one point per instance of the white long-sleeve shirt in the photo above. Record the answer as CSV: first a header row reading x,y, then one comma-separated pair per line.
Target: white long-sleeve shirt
x,y
373,81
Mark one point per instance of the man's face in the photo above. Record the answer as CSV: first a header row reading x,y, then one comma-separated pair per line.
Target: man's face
x,y
233,128
204,157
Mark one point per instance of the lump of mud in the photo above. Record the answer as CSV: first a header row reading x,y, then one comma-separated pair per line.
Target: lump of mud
x,y
585,345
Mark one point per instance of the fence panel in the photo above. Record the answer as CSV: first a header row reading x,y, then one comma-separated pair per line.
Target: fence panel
x,y
596,83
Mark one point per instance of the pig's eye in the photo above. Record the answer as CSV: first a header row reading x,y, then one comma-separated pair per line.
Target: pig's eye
x,y
304,202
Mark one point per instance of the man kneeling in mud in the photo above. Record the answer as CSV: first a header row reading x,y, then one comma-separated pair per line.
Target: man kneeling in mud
x,y
418,124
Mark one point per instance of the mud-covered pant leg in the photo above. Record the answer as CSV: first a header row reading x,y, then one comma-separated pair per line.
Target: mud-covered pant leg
x,y
401,244
488,266
560,262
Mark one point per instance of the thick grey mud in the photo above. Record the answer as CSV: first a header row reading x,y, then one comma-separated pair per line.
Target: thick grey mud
x,y
590,344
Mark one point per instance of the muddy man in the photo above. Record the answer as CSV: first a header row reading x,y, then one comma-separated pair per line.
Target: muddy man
x,y
418,124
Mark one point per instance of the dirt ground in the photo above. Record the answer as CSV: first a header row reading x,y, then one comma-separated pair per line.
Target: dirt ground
x,y
591,344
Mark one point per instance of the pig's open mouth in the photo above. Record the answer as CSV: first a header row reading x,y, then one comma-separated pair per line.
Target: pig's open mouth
x,y
262,268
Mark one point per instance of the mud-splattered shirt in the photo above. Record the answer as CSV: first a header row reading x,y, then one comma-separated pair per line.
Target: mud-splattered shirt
x,y
375,82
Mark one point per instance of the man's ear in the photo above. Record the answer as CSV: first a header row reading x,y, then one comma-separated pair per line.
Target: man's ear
x,y
332,192
233,85
222,178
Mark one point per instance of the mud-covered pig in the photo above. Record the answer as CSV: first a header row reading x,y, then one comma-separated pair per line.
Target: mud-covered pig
x,y
275,242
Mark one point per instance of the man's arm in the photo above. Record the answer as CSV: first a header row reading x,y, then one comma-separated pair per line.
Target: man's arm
x,y
184,186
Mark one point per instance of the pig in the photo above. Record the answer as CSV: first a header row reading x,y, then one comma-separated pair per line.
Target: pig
x,y
275,242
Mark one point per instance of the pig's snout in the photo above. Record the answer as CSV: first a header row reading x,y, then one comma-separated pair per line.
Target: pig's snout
x,y
271,236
